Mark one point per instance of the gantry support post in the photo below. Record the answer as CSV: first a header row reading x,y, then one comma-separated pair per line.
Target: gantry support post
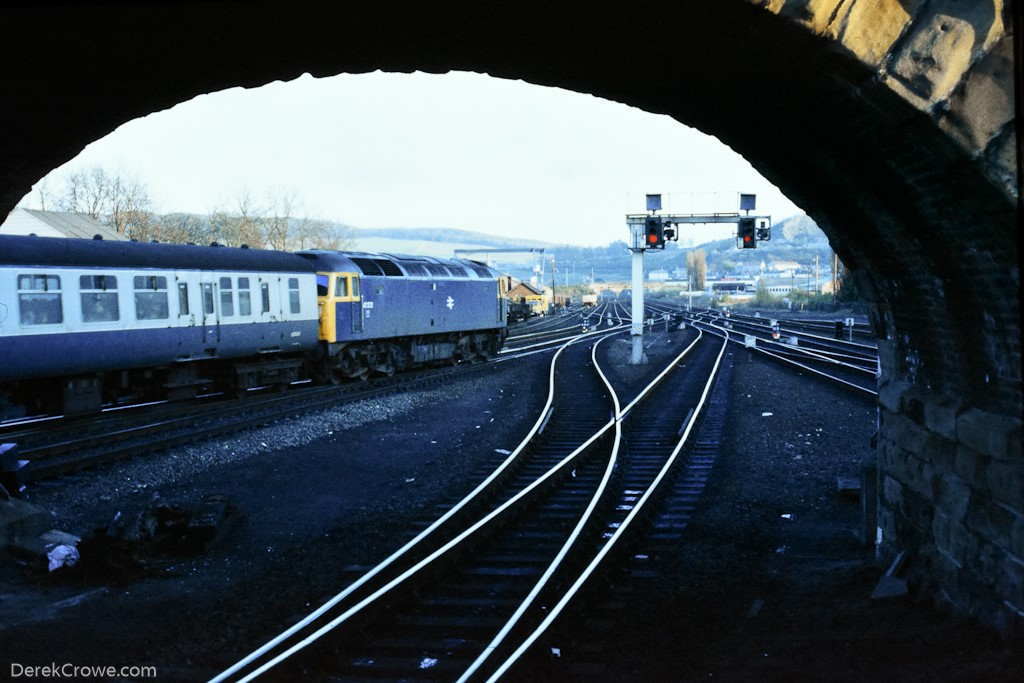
x,y
637,327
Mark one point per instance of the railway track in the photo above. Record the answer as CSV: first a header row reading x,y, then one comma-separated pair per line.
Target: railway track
x,y
55,447
507,559
577,646
852,365
543,333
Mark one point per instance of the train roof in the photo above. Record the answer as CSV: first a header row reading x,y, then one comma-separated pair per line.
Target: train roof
x,y
397,265
70,252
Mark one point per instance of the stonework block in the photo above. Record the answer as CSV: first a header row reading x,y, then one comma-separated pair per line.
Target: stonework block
x,y
972,467
1017,535
994,522
984,105
933,59
904,432
953,495
889,393
888,454
918,512
1009,579
940,415
1006,484
869,28
998,436
964,546
941,529
940,451
892,494
946,570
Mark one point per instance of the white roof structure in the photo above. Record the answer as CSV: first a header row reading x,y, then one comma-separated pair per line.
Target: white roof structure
x,y
56,224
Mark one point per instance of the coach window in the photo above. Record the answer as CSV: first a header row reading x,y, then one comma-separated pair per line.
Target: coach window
x,y
244,301
265,296
39,300
207,288
151,297
293,294
182,298
227,306
99,298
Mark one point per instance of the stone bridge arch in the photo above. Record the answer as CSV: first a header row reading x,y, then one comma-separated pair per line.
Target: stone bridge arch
x,y
891,122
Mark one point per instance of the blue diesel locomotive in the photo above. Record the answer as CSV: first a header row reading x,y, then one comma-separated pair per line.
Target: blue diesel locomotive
x,y
85,323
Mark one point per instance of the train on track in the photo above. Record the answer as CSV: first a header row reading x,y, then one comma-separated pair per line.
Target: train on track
x,y
88,323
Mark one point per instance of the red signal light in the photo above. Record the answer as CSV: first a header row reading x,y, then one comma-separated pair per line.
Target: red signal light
x,y
655,236
745,232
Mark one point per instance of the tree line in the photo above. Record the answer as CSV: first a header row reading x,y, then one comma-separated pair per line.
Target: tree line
x,y
122,202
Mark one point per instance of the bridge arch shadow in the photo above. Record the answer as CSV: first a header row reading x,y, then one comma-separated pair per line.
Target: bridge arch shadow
x,y
927,224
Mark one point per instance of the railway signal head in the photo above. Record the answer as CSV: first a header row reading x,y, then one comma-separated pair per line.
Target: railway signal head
x,y
746,233
668,231
655,235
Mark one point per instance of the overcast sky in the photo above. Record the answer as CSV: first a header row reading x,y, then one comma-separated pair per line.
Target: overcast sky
x,y
457,150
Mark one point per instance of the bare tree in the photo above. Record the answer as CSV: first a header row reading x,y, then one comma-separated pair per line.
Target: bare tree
x,y
129,207
120,198
86,191
244,225
287,227
277,220
182,228
43,189
319,234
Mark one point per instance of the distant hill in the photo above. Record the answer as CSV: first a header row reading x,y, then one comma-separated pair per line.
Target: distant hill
x,y
796,239
448,235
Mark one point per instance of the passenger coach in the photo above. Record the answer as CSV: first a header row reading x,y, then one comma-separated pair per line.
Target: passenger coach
x,y
105,320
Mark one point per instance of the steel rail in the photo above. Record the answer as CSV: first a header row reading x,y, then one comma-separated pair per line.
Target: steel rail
x,y
450,545
827,355
53,451
830,343
581,525
569,542
623,527
310,619
748,320
547,345
802,366
545,333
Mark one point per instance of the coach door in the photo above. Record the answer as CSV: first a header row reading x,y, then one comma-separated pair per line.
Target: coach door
x,y
208,312
357,303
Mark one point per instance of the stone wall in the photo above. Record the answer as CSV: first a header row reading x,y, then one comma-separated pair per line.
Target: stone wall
x,y
952,491
951,470
951,58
